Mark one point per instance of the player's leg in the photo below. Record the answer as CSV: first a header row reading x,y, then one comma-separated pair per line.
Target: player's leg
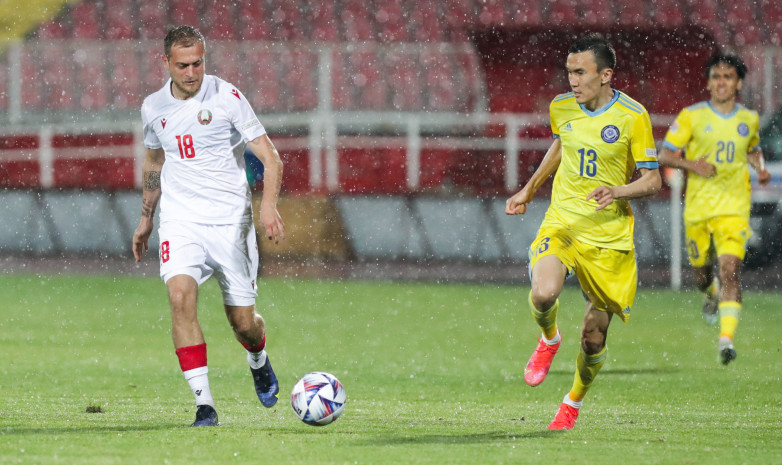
x,y
730,306
250,330
700,253
183,269
730,240
547,278
234,252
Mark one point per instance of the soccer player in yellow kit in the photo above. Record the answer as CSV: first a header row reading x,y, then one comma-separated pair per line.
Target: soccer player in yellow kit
x,y
601,136
719,138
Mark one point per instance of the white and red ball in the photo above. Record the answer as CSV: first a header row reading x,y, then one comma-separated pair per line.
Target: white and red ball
x,y
318,398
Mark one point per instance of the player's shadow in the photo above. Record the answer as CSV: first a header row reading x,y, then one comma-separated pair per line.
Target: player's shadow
x,y
625,371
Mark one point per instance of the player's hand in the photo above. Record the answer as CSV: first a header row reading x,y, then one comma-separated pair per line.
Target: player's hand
x,y
603,195
517,205
764,177
141,239
701,167
272,222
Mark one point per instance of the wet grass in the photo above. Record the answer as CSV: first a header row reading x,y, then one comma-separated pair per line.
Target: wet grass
x,y
433,375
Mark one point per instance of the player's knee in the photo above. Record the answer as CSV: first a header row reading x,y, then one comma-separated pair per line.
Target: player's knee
x,y
592,342
544,297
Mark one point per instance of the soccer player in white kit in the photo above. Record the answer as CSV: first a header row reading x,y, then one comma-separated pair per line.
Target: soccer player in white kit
x,y
195,131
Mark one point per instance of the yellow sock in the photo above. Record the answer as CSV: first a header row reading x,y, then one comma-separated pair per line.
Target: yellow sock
x,y
587,367
547,319
729,318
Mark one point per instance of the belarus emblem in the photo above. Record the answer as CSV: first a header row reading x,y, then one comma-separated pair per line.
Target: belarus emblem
x,y
204,117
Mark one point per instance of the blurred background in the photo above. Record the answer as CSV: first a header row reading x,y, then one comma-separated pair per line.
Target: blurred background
x,y
403,124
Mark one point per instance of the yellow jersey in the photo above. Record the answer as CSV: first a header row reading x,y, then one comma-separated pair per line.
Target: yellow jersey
x,y
599,148
700,130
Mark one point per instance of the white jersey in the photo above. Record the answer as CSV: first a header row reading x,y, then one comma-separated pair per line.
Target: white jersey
x,y
203,178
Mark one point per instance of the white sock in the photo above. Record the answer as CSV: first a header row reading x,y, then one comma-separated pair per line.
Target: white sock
x,y
553,340
256,359
571,402
199,383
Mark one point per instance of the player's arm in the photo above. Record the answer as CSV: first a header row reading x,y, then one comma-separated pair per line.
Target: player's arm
x,y
647,184
517,205
264,149
150,195
701,167
758,161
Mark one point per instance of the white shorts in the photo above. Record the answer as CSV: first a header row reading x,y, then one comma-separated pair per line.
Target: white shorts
x,y
229,251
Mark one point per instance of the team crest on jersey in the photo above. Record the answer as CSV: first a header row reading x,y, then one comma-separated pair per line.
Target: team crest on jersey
x,y
610,134
163,122
204,117
743,129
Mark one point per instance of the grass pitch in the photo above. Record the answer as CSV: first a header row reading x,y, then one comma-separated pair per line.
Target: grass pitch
x,y
434,374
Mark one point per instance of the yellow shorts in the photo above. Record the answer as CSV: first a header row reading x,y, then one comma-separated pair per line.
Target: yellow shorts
x,y
607,277
728,233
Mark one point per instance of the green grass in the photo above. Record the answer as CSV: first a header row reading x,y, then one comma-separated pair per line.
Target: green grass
x,y
433,375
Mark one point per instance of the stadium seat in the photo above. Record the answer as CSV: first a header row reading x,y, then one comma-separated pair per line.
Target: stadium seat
x,y
323,22
3,86
90,67
524,12
633,14
152,19
224,60
152,70
745,28
186,12
597,12
53,29
705,13
286,18
19,167
76,166
84,17
668,13
299,67
120,20
492,13
356,21
404,79
458,13
563,13
367,79
425,21
771,12
220,17
263,90
391,21
57,72
125,76
440,80
341,82
253,23
471,78
373,170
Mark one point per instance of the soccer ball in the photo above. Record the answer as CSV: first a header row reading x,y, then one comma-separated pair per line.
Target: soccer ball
x,y
318,398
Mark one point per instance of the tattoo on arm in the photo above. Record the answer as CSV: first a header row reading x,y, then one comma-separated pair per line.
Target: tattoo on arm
x,y
151,180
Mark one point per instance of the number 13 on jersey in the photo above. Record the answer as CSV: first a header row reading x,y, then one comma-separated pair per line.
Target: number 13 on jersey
x,y
588,165
186,148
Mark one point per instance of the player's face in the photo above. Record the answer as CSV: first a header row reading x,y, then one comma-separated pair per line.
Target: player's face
x,y
585,80
724,83
186,67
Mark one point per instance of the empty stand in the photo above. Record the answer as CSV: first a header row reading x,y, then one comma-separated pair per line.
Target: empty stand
x,y
440,83
323,22
597,12
563,13
356,21
670,13
341,85
84,19
262,88
633,14
525,12
425,21
404,79
299,68
120,20
185,12
253,24
221,21
367,78
391,19
124,71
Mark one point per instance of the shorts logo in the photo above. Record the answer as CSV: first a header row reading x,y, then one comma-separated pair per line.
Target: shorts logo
x,y
743,129
610,134
204,117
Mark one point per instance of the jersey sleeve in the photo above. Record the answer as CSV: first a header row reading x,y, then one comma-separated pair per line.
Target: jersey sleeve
x,y
553,122
642,144
151,140
243,117
680,132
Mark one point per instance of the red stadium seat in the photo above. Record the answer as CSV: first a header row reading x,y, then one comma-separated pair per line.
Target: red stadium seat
x,y
220,16
121,21
186,12
564,13
4,87
668,13
366,77
425,21
253,23
152,71
492,13
224,61
771,12
440,80
376,170
356,21
90,66
323,21
633,14
56,60
53,29
341,82
85,21
458,13
745,28
391,21
125,76
299,68
405,80
153,16
525,12
597,12
263,91
468,66
286,17
705,13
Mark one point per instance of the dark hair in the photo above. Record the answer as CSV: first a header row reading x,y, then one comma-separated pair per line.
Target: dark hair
x,y
730,60
605,56
184,36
